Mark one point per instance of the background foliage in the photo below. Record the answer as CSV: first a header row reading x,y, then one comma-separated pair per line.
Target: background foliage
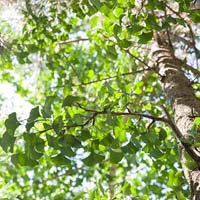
x,y
84,66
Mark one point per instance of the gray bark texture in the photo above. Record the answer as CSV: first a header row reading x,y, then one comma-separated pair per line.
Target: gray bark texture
x,y
185,107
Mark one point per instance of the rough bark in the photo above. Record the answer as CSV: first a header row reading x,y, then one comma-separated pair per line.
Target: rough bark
x,y
183,102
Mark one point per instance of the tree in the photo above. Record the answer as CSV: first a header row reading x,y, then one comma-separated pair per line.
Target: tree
x,y
117,95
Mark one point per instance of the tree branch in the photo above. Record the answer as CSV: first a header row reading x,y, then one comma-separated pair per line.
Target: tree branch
x,y
104,112
194,154
187,67
129,113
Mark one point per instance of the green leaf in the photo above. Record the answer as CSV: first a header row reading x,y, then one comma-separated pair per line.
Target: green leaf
x,y
129,148
197,121
29,125
189,162
78,118
117,30
152,22
145,37
116,157
23,160
156,153
107,140
139,87
145,138
135,142
60,160
11,123
67,151
107,12
112,120
162,134
33,144
126,188
175,180
7,142
197,144
171,178
69,140
125,43
85,135
96,3
8,65
52,141
111,52
70,100
119,11
32,153
39,144
34,114
46,110
180,195
94,21
195,16
58,125
101,186
47,126
93,159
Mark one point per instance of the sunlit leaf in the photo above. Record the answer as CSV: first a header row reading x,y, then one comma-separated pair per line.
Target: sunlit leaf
x,y
94,21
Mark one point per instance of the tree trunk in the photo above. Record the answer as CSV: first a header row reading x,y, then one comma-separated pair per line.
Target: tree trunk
x,y
183,102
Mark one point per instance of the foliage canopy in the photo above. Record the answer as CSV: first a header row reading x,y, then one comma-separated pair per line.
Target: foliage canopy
x,y
97,127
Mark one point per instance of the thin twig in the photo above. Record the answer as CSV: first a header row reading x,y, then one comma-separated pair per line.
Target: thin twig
x,y
178,134
190,30
72,41
187,67
112,77
186,42
127,51
107,78
135,57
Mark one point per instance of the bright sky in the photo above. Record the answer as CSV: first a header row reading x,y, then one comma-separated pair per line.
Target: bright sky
x,y
12,102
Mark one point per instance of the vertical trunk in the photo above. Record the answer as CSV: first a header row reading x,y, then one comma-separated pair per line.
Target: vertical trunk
x,y
183,102
113,170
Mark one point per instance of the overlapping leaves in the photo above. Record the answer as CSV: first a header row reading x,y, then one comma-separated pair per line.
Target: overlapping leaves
x,y
82,78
